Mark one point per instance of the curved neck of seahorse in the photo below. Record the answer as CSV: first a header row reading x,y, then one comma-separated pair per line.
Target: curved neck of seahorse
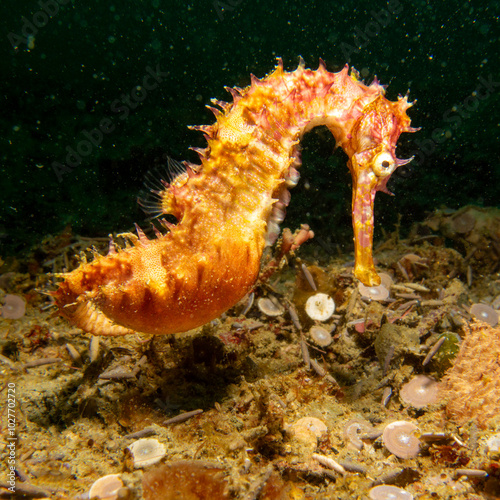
x,y
252,156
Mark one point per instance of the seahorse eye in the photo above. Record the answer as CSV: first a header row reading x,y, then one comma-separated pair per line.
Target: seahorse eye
x,y
383,165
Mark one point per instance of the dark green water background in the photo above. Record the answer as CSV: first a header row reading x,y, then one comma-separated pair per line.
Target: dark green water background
x,y
65,72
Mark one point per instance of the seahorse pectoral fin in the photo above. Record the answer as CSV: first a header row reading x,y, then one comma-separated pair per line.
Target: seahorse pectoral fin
x,y
363,198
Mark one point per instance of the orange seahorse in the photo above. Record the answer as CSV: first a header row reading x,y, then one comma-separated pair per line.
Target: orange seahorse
x,y
230,206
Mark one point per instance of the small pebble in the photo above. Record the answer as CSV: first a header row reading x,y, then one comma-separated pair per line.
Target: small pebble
x,y
94,348
464,222
307,425
307,431
353,430
496,302
493,445
14,307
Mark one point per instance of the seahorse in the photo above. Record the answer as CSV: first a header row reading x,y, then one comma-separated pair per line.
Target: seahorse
x,y
229,207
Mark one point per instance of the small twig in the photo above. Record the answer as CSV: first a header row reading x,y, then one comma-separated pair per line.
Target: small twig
x,y
119,373
403,271
432,303
387,360
182,417
471,472
305,354
318,368
249,304
41,362
147,431
433,351
352,467
330,463
293,315
408,296
389,477
11,364
30,490
309,277
386,396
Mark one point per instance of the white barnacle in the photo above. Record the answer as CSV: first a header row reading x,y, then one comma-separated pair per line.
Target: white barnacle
x,y
320,307
147,451
379,292
399,438
320,336
270,307
106,487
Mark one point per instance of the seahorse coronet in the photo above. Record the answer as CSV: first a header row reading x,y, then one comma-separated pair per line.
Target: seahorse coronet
x,y
230,207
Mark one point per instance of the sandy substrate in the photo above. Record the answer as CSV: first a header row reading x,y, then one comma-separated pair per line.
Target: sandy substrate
x,y
226,403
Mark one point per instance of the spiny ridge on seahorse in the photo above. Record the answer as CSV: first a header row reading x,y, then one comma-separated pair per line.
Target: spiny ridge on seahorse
x,y
229,207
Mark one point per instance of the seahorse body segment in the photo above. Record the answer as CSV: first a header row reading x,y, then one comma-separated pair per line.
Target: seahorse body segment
x,y
230,206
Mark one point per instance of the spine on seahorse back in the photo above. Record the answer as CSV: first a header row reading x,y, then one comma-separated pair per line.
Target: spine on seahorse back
x,y
228,207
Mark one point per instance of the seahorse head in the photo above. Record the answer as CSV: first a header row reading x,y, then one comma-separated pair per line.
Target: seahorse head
x,y
372,161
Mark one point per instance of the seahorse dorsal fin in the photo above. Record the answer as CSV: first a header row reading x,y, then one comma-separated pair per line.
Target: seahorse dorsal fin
x,y
157,197
142,236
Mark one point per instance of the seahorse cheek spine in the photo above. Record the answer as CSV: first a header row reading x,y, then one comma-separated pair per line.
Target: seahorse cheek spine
x,y
232,206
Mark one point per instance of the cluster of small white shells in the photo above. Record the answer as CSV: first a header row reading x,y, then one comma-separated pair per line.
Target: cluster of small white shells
x,y
146,451
320,307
